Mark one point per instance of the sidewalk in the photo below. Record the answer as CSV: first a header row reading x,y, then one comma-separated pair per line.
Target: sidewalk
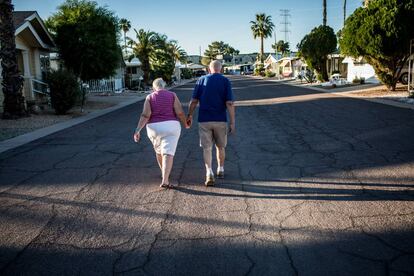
x,y
15,133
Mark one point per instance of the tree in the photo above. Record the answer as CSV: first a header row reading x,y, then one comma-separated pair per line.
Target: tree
x,y
281,46
14,103
125,25
158,54
178,53
163,59
380,33
262,28
315,47
324,13
86,37
144,48
217,48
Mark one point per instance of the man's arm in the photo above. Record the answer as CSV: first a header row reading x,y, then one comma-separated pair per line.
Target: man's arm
x,y
232,114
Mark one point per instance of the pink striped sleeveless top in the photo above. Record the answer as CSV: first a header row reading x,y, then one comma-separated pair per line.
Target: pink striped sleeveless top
x,y
162,106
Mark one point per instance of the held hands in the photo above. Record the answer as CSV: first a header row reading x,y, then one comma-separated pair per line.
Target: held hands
x,y
189,121
232,129
137,137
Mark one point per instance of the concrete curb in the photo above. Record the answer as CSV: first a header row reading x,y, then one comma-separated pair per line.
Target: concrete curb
x,y
42,132
347,94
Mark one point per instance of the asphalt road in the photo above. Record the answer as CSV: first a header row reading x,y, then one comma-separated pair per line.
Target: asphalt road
x,y
316,184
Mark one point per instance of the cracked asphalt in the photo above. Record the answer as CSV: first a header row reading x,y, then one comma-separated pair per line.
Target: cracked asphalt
x,y
316,184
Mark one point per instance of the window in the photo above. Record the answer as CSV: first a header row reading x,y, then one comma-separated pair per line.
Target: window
x,y
44,65
132,70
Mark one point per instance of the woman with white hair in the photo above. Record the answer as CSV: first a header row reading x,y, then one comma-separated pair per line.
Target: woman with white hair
x,y
161,114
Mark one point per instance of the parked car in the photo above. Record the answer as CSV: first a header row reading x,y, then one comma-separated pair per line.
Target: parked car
x,y
404,75
404,72
248,72
200,73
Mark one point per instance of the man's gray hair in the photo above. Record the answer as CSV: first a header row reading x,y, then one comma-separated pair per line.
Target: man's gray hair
x,y
158,84
215,66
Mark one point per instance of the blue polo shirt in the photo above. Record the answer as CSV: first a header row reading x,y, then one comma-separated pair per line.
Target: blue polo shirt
x,y
213,91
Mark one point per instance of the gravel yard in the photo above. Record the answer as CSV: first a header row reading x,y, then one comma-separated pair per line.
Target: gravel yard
x,y
47,117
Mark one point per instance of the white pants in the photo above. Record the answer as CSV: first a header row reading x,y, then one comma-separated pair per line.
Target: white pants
x,y
164,136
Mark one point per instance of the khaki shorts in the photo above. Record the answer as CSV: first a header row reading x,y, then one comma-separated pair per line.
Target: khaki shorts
x,y
212,133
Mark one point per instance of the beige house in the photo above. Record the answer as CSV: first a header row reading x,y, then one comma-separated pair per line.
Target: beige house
x,y
33,45
271,63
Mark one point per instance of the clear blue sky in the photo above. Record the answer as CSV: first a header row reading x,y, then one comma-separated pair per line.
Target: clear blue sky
x,y
197,23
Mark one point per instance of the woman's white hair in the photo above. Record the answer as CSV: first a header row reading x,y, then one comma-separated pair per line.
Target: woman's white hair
x,y
158,84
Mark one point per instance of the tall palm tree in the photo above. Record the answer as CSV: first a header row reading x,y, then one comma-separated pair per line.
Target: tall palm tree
x,y
125,25
13,104
144,48
344,11
262,28
324,12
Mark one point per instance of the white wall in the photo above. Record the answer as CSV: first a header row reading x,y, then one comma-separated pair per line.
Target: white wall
x,y
361,71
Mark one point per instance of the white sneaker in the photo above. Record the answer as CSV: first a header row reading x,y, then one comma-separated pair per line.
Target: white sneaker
x,y
209,180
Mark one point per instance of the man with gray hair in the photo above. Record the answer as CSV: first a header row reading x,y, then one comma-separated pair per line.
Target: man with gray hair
x,y
215,96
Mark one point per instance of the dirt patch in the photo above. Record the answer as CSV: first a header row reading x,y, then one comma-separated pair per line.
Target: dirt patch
x,y
382,91
47,117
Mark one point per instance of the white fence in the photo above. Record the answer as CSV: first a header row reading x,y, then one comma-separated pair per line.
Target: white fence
x,y
40,87
115,85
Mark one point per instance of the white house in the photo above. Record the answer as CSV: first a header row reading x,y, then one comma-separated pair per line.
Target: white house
x,y
194,59
244,59
33,46
271,63
133,72
284,66
359,68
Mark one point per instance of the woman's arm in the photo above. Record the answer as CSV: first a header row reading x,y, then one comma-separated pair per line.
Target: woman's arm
x,y
178,109
143,120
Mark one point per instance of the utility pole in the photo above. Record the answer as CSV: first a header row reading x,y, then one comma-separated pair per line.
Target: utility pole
x,y
275,44
285,14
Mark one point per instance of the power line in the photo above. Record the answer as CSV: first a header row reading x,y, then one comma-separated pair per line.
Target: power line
x,y
285,14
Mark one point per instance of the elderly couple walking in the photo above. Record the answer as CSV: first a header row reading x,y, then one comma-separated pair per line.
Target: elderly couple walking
x,y
162,112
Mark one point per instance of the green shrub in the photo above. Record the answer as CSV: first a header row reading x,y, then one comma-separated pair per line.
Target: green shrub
x,y
64,90
186,73
259,70
270,74
358,80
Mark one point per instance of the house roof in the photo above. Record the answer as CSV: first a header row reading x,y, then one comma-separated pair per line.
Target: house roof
x,y
30,24
133,62
271,57
19,17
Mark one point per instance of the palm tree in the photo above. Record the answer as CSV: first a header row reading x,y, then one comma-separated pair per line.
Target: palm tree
x,y
281,46
13,105
324,12
344,11
178,53
262,28
125,25
144,48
